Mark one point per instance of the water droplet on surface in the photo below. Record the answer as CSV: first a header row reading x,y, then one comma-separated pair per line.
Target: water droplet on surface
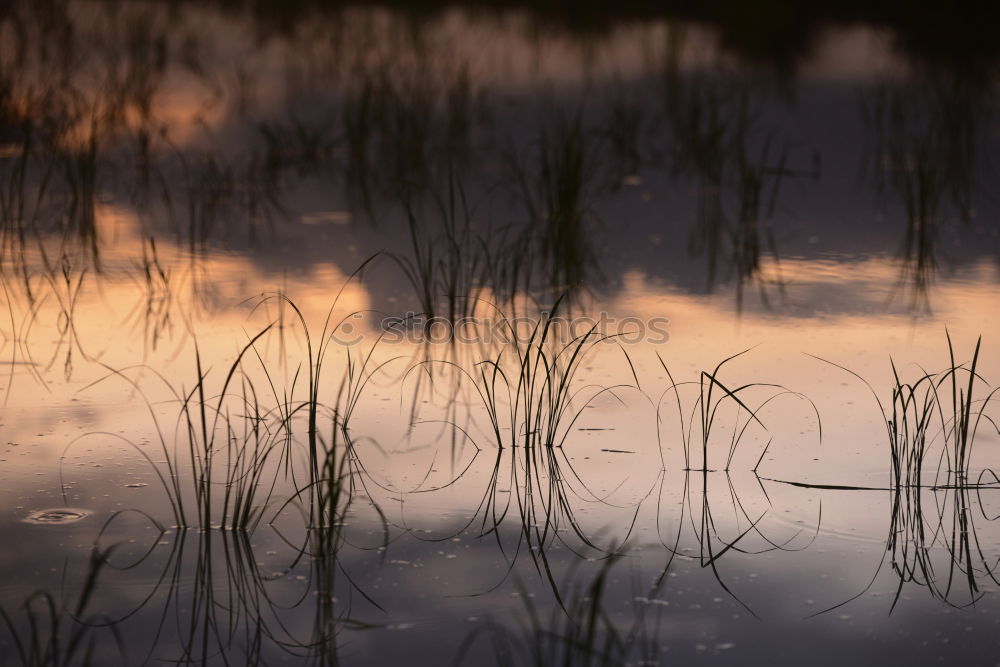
x,y
56,515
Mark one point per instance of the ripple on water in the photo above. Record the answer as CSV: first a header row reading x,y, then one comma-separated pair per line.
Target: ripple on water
x,y
56,515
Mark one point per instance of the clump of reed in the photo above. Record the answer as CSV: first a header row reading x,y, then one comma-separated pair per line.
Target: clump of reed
x,y
231,446
939,412
947,407
705,424
532,397
327,459
540,491
154,311
720,415
934,541
528,390
230,425
713,401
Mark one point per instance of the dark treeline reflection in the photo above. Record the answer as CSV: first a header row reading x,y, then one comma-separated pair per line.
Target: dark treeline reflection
x,y
779,33
543,162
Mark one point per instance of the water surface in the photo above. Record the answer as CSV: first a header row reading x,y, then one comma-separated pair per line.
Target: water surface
x,y
375,336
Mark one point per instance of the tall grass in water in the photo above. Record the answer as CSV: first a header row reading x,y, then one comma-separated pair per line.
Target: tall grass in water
x,y
48,182
936,412
326,458
231,446
229,424
719,416
707,125
531,396
705,424
528,389
19,211
962,432
942,409
917,539
540,492
231,455
154,310
937,545
712,403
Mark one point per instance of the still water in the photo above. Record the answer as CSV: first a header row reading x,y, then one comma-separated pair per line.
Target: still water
x,y
384,336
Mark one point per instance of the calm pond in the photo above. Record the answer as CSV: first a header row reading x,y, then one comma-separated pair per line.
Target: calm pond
x,y
473,333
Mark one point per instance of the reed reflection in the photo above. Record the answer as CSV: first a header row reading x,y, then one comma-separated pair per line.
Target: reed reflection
x,y
926,148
